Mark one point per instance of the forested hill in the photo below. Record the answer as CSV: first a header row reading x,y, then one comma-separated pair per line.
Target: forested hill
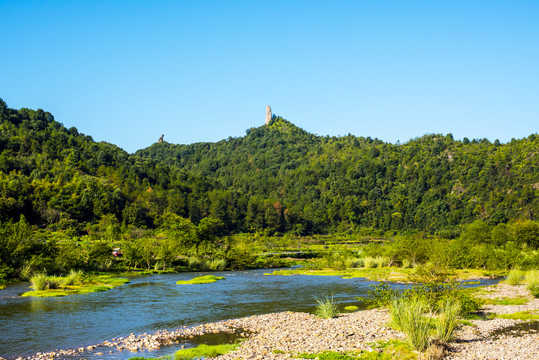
x,y
277,178
281,177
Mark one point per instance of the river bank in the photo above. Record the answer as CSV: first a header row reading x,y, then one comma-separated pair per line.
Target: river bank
x,y
285,334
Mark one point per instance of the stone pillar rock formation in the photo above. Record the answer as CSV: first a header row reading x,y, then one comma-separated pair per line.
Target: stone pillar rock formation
x,y
268,115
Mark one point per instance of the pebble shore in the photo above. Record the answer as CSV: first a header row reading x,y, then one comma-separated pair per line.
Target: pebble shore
x,y
281,335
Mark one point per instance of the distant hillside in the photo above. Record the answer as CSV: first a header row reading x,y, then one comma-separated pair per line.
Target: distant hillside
x,y
281,177
275,178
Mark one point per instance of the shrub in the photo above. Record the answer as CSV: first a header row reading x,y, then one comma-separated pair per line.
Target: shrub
x,y
380,295
447,321
369,262
354,263
406,264
514,277
195,263
327,308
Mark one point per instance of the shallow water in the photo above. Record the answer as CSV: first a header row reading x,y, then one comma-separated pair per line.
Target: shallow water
x,y
151,303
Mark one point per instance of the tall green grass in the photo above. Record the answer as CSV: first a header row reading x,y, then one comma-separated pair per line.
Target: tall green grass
x,y
369,262
514,277
215,264
532,282
408,316
448,320
73,278
327,308
39,282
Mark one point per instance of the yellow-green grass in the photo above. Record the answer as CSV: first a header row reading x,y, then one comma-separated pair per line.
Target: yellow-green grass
x,y
521,315
206,279
507,301
205,351
89,284
396,274
2,286
351,308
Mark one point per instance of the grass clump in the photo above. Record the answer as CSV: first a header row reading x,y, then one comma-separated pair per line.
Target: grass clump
x,y
74,283
39,282
206,279
216,264
382,261
326,309
205,351
448,320
408,316
514,277
73,278
369,262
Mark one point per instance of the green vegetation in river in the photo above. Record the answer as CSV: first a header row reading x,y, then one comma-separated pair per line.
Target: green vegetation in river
x,y
394,274
89,284
206,279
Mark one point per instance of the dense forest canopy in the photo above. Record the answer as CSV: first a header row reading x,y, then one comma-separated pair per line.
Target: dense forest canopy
x,y
275,179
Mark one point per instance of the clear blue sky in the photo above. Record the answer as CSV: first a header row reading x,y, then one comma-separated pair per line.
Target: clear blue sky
x,y
128,71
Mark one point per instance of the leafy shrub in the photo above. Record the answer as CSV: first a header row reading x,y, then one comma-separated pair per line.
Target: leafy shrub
x,y
406,264
195,263
354,263
326,309
380,295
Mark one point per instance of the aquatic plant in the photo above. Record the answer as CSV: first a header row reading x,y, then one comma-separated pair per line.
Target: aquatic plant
x,y
326,309
74,277
206,279
39,282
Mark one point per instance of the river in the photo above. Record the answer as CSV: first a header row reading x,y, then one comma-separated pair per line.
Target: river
x,y
151,303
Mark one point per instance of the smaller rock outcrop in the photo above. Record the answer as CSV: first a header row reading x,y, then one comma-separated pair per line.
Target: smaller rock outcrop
x,y
268,115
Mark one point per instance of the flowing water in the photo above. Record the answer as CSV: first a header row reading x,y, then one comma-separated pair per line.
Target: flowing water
x,y
151,303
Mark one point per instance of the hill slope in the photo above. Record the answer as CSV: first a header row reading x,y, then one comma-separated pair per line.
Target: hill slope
x,y
275,178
